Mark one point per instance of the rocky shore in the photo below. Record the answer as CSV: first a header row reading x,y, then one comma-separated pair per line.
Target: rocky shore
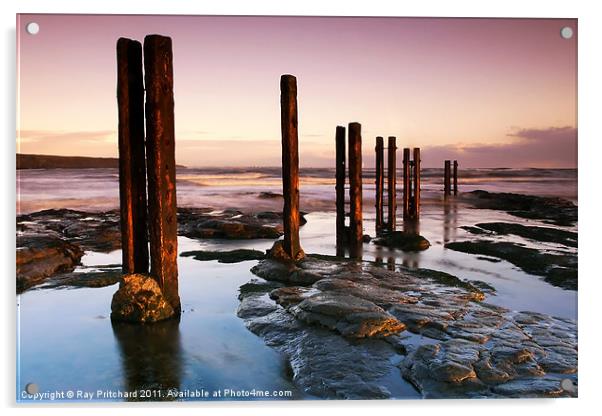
x,y
345,326
51,243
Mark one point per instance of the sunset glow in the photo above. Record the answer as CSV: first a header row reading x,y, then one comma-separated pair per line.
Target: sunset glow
x,y
488,92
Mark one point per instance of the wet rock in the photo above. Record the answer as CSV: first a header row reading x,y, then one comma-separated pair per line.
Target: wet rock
x,y
341,335
97,277
346,314
95,231
233,256
291,295
403,241
474,230
545,234
228,224
535,387
228,229
257,286
253,306
269,195
474,288
552,210
41,256
324,363
557,269
139,299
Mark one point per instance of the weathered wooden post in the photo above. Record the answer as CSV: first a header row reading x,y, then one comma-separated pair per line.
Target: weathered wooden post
x,y
340,174
161,165
132,166
416,194
355,191
446,178
290,165
406,183
392,183
380,171
455,177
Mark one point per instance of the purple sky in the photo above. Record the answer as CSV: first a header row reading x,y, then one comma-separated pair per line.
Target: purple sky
x,y
488,92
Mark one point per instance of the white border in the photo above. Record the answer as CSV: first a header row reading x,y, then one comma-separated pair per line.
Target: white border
x,y
590,68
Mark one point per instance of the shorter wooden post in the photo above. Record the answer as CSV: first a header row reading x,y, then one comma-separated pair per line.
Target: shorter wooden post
x,y
355,191
290,165
455,177
407,182
392,183
416,193
379,183
161,165
340,175
446,178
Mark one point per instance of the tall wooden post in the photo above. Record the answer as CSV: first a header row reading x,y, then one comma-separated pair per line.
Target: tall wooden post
x,y
455,177
380,171
161,165
340,175
416,194
391,183
290,164
446,178
132,166
406,183
355,191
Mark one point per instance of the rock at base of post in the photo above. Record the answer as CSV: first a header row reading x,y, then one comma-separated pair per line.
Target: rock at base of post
x,y
139,299
277,252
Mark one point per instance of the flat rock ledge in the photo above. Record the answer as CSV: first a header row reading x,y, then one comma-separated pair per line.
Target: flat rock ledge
x,y
358,331
140,300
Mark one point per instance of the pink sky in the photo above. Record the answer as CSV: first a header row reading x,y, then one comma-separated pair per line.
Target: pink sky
x,y
488,92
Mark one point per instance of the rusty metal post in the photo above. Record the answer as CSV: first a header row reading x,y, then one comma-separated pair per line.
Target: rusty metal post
x,y
290,164
355,191
161,165
380,170
391,183
455,177
446,178
132,166
416,193
340,174
407,182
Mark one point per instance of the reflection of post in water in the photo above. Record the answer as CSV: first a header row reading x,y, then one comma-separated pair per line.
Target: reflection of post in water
x,y
450,219
151,357
411,226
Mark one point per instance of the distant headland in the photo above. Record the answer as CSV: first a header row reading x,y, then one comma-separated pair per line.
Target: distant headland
x,y
27,161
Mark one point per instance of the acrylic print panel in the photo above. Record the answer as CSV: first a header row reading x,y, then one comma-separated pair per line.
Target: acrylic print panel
x,y
277,208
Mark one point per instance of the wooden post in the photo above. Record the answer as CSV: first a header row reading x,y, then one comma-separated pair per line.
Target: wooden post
x,y
161,165
132,166
446,178
380,170
406,183
340,189
416,194
355,191
290,164
391,183
455,177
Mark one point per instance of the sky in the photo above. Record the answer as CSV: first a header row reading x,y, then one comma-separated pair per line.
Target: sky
x,y
487,92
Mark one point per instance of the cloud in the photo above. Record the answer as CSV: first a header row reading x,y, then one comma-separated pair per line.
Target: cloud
x,y
552,147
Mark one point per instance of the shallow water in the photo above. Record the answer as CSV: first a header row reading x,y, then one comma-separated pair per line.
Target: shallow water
x,y
68,343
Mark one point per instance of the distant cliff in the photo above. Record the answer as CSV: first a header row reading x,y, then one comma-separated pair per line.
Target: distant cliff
x,y
66,162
